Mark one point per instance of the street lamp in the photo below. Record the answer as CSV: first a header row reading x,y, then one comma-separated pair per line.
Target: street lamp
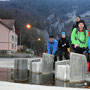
x,y
39,39
28,26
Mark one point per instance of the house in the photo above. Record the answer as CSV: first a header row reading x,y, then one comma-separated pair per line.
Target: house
x,y
8,36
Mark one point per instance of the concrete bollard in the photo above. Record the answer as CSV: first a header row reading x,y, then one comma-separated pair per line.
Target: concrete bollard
x,y
63,72
61,83
78,67
64,62
31,61
37,67
37,78
20,70
33,64
48,79
47,63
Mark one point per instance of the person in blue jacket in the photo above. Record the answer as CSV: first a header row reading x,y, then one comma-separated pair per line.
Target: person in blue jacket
x,y
88,51
52,47
89,44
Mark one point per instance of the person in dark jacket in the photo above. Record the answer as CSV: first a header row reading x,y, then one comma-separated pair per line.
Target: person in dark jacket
x,y
75,25
63,45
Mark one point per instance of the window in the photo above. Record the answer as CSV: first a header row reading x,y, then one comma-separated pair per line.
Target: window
x,y
12,38
12,46
15,47
15,39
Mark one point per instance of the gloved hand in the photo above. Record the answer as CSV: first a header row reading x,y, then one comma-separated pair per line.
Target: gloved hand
x,y
62,45
76,45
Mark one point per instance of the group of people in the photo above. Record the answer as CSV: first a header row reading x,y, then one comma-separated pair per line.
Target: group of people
x,y
58,48
79,41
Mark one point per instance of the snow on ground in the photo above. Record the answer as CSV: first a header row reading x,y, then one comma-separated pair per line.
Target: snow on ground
x,y
15,86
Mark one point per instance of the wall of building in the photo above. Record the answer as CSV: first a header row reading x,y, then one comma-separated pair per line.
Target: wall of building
x,y
13,40
8,38
4,37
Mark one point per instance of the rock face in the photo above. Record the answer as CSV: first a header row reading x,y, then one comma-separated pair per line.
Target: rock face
x,y
21,69
47,63
63,72
78,67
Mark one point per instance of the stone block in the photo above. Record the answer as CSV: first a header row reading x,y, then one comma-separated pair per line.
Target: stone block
x,y
78,67
20,69
21,64
37,67
64,62
47,63
63,72
31,61
37,78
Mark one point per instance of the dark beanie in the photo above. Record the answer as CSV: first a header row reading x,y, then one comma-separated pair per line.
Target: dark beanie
x,y
79,17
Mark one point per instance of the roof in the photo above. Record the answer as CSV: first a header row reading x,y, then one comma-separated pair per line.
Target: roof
x,y
9,23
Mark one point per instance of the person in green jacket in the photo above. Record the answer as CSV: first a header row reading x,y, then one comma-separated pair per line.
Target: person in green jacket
x,y
79,38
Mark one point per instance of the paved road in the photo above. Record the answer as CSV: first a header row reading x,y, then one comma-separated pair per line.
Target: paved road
x,y
9,62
